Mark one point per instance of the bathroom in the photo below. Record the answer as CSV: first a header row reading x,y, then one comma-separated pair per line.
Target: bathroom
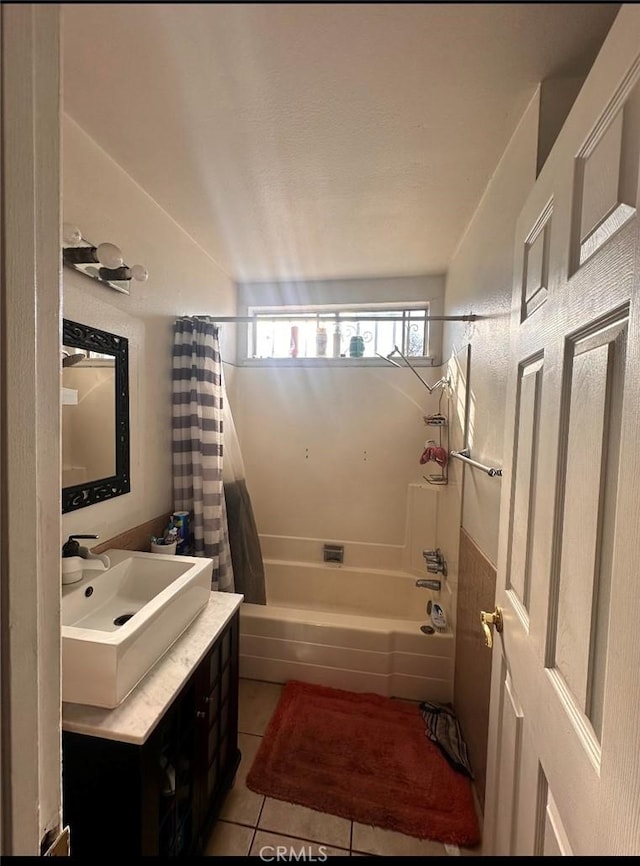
x,y
332,451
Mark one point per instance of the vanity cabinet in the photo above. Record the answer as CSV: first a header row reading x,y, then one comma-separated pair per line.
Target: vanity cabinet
x,y
159,798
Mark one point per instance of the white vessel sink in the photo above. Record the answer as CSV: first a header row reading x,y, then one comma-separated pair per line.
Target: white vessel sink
x,y
117,623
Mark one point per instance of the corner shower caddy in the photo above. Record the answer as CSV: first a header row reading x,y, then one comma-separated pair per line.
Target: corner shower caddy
x,y
429,420
438,420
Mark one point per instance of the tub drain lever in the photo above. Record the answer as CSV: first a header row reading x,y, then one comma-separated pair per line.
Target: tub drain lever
x,y
333,553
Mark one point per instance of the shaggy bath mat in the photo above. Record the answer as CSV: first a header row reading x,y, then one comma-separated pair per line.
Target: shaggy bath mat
x,y
366,758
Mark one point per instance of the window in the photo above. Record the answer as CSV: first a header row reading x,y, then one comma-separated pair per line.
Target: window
x,y
327,332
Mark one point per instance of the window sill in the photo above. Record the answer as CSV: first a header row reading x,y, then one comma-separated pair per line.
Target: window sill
x,y
423,361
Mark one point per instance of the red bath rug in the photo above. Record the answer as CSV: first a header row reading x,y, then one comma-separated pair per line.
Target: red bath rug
x,y
366,758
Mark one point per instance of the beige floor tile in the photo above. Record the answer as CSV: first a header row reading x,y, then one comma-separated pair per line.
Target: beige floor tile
x,y
248,745
289,818
240,804
375,840
257,702
229,840
270,844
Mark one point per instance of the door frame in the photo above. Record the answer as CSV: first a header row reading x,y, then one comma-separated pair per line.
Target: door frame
x,y
30,332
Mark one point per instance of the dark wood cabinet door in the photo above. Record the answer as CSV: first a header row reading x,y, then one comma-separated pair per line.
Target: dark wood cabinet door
x,y
161,798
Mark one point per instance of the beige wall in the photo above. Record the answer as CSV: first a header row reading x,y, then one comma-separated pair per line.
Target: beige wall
x,y
329,451
107,205
480,280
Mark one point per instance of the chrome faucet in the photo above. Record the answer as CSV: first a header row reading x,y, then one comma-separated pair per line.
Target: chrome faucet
x,y
77,559
72,548
435,561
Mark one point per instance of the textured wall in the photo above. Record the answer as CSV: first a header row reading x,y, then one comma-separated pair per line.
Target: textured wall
x,y
107,205
479,280
472,678
329,451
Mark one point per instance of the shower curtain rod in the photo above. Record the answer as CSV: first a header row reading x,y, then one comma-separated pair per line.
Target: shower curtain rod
x,y
471,317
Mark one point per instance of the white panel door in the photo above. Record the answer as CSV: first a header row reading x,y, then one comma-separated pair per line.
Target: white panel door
x,y
564,742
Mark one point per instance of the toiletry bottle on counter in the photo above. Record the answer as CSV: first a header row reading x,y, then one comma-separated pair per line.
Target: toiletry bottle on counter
x,y
181,520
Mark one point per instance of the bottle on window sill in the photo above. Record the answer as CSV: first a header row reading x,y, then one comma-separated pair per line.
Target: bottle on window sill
x,y
356,346
337,339
321,342
293,346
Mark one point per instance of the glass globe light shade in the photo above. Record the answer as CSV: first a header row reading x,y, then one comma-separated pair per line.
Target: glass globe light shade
x,y
140,273
71,234
110,256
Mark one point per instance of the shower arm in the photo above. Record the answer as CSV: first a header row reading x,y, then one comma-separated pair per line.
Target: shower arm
x,y
430,388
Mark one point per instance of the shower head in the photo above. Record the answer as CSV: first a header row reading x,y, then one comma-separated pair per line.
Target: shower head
x,y
389,357
441,383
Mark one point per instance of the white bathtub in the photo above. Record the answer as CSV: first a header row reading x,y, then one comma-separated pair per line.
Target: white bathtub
x,y
346,627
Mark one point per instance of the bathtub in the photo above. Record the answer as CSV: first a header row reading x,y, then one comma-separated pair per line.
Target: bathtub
x,y
346,627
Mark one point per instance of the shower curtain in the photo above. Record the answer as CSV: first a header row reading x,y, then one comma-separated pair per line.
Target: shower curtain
x,y
197,447
208,467
248,566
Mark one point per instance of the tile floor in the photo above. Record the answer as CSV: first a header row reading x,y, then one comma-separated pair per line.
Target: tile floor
x,y
250,823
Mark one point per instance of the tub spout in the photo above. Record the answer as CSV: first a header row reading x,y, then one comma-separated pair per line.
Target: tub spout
x,y
429,583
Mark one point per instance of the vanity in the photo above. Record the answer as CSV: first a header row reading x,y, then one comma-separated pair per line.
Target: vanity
x,y
148,777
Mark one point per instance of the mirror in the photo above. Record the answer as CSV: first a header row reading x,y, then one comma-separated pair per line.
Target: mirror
x,y
95,415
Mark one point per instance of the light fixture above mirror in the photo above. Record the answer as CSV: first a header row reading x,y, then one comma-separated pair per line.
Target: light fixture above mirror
x,y
104,262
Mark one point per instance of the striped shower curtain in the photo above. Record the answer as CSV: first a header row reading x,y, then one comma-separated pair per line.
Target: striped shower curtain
x,y
198,397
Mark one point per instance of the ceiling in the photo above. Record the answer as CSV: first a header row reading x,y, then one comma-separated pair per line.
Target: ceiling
x,y
319,140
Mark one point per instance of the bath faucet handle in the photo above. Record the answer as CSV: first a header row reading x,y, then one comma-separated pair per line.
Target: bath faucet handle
x,y
436,564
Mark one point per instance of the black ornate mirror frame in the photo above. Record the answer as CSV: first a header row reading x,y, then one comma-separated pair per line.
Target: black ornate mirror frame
x,y
83,337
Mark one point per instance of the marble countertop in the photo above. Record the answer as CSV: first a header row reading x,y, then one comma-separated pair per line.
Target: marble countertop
x,y
136,717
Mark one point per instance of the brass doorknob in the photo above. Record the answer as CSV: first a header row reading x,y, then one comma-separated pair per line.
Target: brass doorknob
x,y
489,620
